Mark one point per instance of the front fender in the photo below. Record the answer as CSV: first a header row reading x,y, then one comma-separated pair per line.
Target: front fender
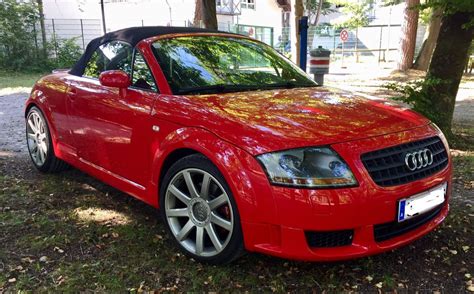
x,y
39,99
243,174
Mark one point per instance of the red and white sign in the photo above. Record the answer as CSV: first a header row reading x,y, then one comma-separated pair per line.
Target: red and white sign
x,y
344,35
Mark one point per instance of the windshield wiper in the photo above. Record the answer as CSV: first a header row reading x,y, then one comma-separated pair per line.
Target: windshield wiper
x,y
209,89
289,85
226,88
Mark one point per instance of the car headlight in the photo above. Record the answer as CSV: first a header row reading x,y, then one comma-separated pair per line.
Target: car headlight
x,y
307,167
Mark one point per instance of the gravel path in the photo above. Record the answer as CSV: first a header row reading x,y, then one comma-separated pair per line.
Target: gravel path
x,y
12,124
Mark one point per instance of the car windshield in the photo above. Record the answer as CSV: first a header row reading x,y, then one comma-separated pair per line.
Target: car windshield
x,y
216,64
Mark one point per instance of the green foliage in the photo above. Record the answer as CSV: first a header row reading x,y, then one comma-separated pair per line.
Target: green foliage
x,y
451,7
17,45
416,94
312,6
357,12
21,48
68,52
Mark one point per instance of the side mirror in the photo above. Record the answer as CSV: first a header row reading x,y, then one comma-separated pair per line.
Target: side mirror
x,y
114,78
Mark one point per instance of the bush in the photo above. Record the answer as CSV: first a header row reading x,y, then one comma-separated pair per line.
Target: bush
x,y
416,94
21,48
17,45
68,52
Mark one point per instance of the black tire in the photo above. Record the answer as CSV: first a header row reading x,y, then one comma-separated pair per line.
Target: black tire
x,y
51,164
235,245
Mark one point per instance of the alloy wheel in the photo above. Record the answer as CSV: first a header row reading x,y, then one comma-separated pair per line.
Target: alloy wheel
x,y
37,138
199,212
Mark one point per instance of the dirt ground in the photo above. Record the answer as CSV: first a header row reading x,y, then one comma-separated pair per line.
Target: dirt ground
x,y
70,232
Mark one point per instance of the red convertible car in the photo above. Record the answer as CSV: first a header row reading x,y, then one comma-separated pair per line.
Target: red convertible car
x,y
239,148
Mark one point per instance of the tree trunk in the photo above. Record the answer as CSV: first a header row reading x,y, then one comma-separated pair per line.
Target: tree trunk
x,y
424,57
447,65
318,13
408,40
42,26
205,14
296,14
198,14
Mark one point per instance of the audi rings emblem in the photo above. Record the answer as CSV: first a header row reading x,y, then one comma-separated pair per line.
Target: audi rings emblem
x,y
419,159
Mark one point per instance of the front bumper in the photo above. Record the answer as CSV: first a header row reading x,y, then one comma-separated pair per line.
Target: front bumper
x,y
360,209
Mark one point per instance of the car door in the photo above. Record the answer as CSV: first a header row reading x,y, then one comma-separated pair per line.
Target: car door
x,y
111,127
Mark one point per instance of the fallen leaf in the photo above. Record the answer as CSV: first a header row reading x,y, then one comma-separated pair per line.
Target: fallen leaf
x,y
58,250
27,260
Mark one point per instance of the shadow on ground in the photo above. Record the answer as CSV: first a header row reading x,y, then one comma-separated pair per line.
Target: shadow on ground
x,y
71,232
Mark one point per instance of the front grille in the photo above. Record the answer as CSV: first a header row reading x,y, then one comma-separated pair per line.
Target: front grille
x,y
329,238
387,166
393,229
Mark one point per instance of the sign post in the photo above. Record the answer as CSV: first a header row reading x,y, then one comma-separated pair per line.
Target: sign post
x,y
344,35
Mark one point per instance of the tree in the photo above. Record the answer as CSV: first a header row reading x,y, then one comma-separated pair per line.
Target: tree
x,y
449,58
408,36
205,13
42,26
17,46
296,14
435,96
424,56
314,8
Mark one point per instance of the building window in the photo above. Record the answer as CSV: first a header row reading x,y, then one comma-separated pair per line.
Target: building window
x,y
249,4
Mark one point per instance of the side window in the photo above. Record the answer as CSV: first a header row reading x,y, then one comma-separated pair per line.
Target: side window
x,y
110,56
142,77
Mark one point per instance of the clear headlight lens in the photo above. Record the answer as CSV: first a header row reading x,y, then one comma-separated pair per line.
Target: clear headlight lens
x,y
307,167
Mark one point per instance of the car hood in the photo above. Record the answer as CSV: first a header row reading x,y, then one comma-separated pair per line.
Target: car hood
x,y
265,121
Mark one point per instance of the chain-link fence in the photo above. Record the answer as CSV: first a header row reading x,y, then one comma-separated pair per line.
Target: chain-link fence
x,y
369,43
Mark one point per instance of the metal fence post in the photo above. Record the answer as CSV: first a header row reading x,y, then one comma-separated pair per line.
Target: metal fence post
x,y
380,43
36,39
357,45
82,35
55,39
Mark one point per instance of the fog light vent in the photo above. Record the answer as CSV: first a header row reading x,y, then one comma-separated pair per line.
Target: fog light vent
x,y
329,238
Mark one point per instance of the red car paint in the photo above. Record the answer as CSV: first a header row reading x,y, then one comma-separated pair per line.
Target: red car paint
x,y
107,132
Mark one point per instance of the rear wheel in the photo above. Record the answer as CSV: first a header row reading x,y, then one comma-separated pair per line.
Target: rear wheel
x,y
39,143
199,211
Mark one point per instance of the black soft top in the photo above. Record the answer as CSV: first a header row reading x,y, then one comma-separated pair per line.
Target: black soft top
x,y
132,36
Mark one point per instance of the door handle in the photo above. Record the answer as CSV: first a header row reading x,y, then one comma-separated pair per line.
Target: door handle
x,y
72,92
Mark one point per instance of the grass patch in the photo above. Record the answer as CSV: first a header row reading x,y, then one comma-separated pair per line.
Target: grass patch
x,y
463,137
12,80
71,233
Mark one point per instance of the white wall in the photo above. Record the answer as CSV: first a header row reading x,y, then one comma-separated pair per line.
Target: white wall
x,y
123,14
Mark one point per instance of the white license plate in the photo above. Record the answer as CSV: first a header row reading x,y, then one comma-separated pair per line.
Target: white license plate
x,y
420,203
